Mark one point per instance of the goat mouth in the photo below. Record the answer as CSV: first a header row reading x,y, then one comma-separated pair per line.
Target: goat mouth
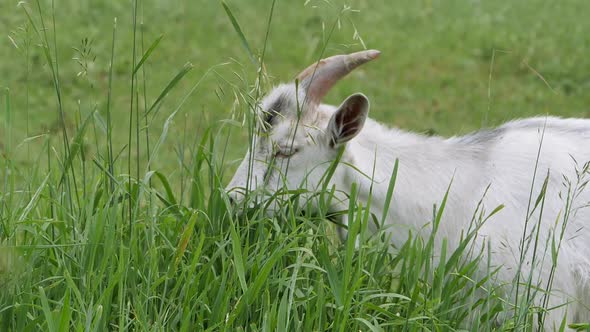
x,y
286,203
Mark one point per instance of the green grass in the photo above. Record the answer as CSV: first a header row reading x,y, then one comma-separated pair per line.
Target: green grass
x,y
112,213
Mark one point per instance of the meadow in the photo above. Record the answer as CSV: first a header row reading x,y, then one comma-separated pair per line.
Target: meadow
x,y
122,121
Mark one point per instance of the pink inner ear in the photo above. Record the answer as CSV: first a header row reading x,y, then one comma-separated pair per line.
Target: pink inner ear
x,y
348,121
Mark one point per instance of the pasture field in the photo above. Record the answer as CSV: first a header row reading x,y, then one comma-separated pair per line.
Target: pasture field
x,y
121,122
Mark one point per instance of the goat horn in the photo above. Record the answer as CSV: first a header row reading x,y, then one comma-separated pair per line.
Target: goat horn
x,y
319,78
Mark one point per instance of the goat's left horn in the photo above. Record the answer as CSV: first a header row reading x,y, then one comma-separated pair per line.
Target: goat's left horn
x,y
319,78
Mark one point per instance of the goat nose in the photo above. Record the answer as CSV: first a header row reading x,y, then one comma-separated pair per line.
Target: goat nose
x,y
234,199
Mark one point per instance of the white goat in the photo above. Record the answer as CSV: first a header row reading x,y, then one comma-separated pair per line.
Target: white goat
x,y
305,136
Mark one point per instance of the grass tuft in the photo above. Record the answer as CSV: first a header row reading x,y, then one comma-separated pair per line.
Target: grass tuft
x,y
114,217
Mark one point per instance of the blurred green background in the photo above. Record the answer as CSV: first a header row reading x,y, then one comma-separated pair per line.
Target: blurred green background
x,y
447,67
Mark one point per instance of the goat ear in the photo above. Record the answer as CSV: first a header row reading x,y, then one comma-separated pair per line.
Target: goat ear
x,y
348,120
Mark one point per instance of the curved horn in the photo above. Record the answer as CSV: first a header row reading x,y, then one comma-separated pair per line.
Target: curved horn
x,y
318,79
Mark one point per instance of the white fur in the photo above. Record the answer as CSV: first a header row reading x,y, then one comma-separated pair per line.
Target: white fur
x,y
503,159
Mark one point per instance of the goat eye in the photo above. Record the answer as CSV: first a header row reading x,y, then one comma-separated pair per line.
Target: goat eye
x,y
286,152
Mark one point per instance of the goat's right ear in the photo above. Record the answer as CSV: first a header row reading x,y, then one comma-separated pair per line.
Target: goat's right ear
x,y
348,120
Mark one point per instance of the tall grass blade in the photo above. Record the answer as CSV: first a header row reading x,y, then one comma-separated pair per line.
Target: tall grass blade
x,y
76,147
238,30
34,199
49,318
66,313
187,68
147,53
238,258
